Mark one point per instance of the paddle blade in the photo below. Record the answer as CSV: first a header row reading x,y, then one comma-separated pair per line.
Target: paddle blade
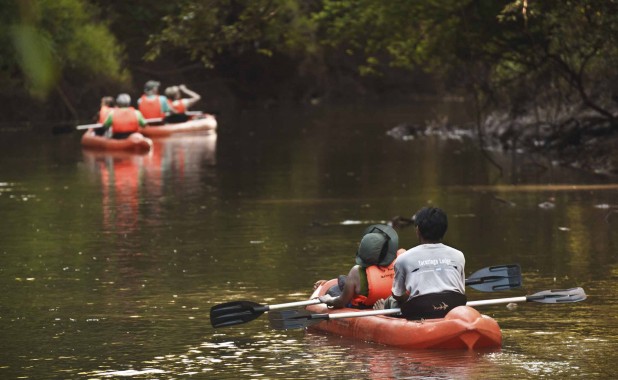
x,y
235,313
293,319
558,296
496,278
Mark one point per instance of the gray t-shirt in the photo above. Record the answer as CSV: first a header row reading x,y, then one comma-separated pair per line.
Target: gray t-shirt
x,y
429,268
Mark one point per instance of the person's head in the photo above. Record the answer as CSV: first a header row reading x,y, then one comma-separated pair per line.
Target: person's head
x,y
378,246
172,92
123,100
152,87
107,101
431,223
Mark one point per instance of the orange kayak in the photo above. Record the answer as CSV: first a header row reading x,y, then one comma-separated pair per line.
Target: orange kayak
x,y
135,143
462,328
203,123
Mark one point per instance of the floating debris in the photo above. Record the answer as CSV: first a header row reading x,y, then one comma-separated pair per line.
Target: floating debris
x,y
603,206
547,205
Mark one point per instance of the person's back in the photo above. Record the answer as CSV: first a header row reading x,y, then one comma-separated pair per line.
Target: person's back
x,y
124,120
180,104
107,105
151,104
429,278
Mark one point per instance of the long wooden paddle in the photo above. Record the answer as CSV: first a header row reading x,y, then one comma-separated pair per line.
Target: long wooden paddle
x,y
490,279
292,319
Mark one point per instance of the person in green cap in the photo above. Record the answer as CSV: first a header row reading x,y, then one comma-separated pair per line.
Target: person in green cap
x,y
371,279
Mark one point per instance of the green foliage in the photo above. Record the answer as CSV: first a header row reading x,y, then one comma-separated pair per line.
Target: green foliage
x,y
210,29
45,40
505,50
33,53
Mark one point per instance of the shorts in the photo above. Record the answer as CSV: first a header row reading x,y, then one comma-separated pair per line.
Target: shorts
x,y
434,305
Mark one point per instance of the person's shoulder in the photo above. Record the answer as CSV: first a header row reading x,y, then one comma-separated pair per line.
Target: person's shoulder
x,y
417,248
404,256
451,248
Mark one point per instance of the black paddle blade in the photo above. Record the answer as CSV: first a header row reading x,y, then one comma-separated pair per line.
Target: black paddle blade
x,y
292,319
496,278
235,313
558,296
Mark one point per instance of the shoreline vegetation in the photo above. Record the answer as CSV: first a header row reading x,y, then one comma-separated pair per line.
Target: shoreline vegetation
x,y
541,75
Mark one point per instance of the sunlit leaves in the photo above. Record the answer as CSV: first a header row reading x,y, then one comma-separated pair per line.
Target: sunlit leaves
x,y
34,55
51,38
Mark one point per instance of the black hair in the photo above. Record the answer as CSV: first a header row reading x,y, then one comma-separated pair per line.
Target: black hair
x,y
431,222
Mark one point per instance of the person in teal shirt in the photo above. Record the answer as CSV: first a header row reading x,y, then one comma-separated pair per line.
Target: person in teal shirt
x,y
151,104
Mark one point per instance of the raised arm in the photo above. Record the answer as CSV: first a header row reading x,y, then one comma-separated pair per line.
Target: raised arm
x,y
193,96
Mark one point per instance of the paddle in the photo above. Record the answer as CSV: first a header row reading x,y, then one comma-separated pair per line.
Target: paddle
x,y
496,278
488,279
291,319
238,312
99,125
194,113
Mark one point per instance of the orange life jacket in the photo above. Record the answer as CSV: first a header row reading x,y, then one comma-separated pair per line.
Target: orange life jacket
x,y
379,285
179,106
151,107
104,113
124,120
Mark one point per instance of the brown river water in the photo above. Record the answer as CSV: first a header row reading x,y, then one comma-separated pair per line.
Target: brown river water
x,y
109,264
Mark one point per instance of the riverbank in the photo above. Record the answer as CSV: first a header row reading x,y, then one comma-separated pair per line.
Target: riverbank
x,y
582,141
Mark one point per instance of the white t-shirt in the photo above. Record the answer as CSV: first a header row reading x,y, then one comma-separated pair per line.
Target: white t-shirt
x,y
429,268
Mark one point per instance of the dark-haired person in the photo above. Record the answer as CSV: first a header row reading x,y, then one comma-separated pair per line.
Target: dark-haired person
x,y
107,105
124,119
371,279
429,278
180,104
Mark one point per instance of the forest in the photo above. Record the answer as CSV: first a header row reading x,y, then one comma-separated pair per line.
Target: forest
x,y
537,73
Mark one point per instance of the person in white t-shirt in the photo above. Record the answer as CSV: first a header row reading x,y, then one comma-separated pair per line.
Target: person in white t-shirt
x,y
429,278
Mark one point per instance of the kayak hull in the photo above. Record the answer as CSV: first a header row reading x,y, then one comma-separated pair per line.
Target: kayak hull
x,y
462,328
135,143
204,123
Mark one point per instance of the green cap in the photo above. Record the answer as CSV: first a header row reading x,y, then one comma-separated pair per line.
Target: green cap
x,y
378,246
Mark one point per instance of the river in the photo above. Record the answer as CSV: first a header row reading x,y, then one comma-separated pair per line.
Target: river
x,y
109,264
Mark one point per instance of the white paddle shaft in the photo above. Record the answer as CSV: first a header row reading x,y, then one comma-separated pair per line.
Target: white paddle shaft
x,y
397,311
294,304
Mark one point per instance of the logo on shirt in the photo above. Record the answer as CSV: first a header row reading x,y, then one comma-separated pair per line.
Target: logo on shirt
x,y
434,262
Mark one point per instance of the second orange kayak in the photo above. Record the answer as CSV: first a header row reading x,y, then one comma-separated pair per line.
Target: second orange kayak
x,y
203,123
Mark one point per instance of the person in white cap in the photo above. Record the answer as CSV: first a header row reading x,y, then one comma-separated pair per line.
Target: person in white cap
x,y
124,119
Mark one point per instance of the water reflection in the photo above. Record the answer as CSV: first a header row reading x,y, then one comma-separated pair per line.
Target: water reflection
x,y
300,355
131,183
277,205
119,173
